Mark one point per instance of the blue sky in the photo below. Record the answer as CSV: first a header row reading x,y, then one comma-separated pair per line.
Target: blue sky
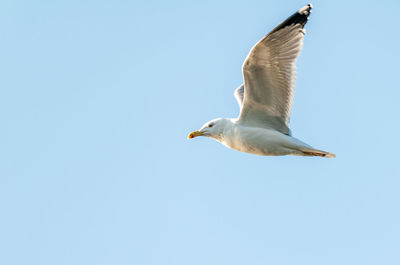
x,y
97,98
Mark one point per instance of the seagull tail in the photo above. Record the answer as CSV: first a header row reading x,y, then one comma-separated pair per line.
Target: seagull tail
x,y
315,152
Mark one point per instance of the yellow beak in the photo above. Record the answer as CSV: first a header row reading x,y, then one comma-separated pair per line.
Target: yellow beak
x,y
194,134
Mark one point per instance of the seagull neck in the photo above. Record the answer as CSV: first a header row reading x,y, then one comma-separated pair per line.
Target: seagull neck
x,y
228,128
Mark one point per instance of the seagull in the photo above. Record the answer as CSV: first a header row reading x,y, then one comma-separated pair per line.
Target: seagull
x,y
266,97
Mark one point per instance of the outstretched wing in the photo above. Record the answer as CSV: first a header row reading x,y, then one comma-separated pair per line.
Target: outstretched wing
x,y
269,73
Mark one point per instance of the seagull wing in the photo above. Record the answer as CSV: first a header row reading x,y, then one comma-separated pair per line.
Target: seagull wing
x,y
269,73
239,95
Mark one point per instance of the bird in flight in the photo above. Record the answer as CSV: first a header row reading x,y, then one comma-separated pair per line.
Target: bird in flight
x,y
266,97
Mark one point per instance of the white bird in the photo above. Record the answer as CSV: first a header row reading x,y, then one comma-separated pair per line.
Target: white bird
x,y
266,98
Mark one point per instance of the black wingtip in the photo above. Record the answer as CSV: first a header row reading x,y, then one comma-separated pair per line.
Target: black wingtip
x,y
300,17
305,10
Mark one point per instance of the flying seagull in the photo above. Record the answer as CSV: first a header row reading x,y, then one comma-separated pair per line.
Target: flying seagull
x,y
266,97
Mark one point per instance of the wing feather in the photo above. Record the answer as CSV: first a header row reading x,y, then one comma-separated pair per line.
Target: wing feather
x,y
269,73
239,94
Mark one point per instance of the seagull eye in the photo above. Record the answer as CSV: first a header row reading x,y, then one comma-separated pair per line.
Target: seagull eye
x,y
210,125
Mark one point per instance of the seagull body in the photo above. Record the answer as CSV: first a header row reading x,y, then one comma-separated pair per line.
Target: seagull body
x,y
259,141
265,99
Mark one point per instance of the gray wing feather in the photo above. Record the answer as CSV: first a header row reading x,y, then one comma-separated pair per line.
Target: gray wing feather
x,y
269,73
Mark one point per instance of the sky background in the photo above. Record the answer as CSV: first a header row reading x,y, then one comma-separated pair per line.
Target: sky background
x,y
97,99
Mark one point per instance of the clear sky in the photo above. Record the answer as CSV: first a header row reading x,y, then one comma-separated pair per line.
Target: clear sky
x,y
97,99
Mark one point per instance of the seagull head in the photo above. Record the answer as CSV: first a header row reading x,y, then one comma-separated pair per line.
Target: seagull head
x,y
213,129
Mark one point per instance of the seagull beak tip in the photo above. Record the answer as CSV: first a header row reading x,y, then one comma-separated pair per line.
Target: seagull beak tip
x,y
194,134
